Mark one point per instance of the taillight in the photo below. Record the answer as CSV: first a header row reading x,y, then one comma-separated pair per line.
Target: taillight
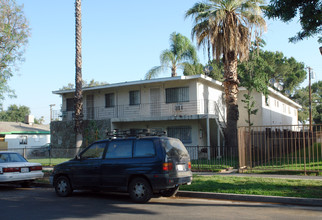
x,y
11,169
35,168
189,165
167,166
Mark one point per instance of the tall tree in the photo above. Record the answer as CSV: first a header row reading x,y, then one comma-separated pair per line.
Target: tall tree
x,y
310,16
78,78
232,23
181,52
15,113
212,69
14,33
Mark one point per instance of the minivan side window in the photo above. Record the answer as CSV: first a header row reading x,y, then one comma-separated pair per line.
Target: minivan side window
x,y
144,148
94,152
119,149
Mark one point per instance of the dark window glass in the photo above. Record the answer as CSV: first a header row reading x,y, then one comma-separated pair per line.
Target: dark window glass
x,y
174,95
174,147
135,97
144,148
95,151
70,104
109,100
11,157
119,149
181,132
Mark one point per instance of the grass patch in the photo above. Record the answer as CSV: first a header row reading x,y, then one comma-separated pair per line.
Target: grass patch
x,y
48,161
256,186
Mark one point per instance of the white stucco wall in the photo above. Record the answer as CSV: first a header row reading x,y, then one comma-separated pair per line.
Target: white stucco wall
x,y
278,110
33,140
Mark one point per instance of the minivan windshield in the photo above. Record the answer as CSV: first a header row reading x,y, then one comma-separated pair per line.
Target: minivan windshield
x,y
174,147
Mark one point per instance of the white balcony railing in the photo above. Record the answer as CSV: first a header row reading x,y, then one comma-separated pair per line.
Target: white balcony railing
x,y
148,110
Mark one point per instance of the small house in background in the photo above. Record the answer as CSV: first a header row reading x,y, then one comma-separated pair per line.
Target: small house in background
x,y
17,135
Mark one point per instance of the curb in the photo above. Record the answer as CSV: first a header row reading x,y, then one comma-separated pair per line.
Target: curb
x,y
252,198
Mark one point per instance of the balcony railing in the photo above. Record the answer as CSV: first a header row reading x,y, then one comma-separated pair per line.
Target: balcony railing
x,y
147,110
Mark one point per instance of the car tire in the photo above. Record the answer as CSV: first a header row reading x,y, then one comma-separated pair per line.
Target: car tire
x,y
140,190
170,192
63,187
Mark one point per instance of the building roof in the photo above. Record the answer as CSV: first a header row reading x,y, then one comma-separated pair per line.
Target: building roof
x,y
143,82
169,79
22,128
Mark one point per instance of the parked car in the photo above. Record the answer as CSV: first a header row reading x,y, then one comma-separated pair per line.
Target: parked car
x,y
42,150
140,166
14,168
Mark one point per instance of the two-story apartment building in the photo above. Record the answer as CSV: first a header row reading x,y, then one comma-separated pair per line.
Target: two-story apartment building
x,y
191,108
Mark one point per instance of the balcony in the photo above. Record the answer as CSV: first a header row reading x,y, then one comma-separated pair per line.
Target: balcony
x,y
147,111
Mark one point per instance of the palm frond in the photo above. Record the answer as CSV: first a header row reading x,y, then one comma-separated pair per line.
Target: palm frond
x,y
153,72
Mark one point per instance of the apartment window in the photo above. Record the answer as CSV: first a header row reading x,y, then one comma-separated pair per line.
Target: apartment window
x,y
109,100
174,95
70,104
181,132
277,104
135,97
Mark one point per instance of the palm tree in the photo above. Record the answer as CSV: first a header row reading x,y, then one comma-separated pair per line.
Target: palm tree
x,y
78,77
228,25
181,51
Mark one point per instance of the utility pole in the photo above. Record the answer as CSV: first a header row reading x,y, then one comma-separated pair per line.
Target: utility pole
x,y
51,111
310,99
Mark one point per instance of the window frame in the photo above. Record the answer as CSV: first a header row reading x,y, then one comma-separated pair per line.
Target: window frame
x,y
111,99
185,131
177,95
133,95
69,107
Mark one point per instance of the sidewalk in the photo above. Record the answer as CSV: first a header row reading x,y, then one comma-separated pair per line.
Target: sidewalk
x,y
233,173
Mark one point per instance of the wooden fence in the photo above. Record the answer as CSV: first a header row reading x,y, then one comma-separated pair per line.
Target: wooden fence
x,y
288,148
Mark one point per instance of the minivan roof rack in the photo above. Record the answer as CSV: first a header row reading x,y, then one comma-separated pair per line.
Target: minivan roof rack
x,y
116,133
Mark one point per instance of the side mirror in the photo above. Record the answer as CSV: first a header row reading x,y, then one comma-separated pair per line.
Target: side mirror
x,y
78,157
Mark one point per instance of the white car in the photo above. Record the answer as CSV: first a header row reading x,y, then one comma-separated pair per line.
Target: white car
x,y
15,168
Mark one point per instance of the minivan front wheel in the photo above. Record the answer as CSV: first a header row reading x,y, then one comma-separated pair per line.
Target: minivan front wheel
x,y
140,190
63,187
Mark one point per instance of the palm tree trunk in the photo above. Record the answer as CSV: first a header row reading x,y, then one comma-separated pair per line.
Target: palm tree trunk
x,y
231,90
173,71
78,77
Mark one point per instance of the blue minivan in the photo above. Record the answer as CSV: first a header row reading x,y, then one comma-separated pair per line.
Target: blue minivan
x,y
141,166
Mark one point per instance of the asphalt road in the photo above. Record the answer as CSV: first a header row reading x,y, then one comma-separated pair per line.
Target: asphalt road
x,y
42,203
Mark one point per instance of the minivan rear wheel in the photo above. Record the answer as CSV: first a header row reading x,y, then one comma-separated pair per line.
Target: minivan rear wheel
x,y
63,187
140,190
